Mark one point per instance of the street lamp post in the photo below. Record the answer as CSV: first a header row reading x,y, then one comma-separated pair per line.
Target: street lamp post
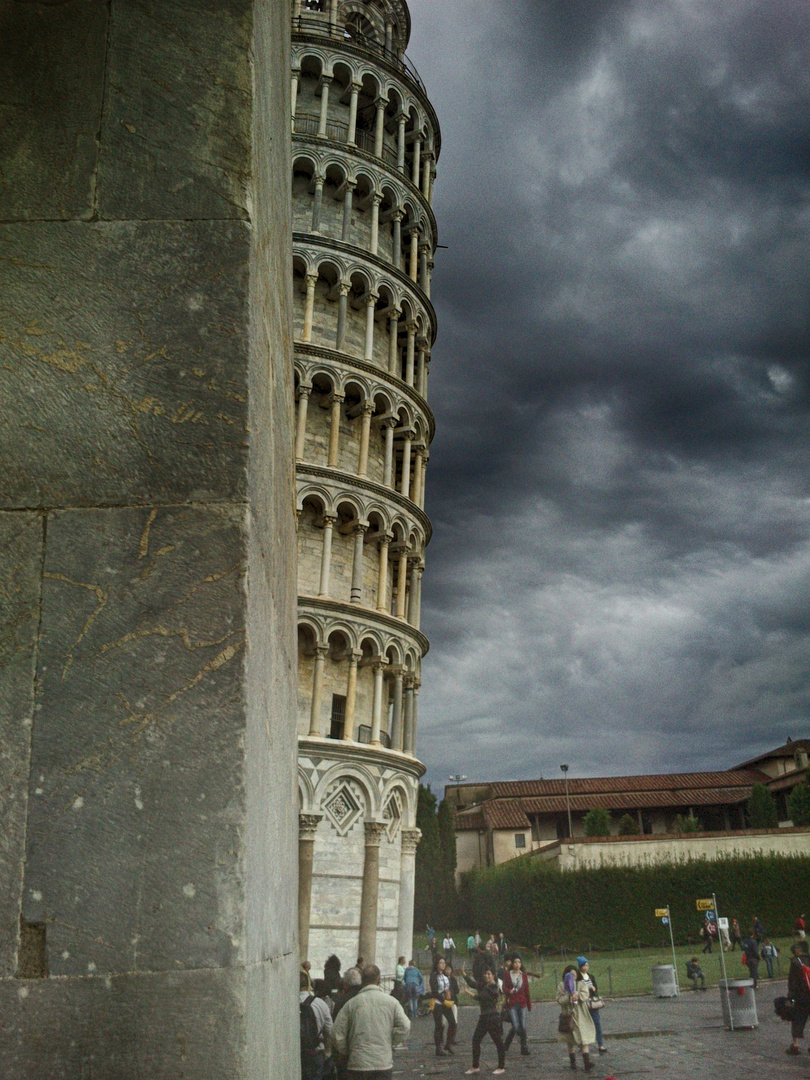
x,y
567,801
459,778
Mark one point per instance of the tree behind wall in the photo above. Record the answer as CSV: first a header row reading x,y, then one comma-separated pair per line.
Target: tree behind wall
x,y
436,901
428,861
799,804
761,809
446,820
597,822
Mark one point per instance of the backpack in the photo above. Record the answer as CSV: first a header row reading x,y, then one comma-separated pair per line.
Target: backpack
x,y
310,1036
806,977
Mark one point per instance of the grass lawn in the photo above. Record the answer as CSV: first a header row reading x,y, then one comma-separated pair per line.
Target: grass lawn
x,y
629,971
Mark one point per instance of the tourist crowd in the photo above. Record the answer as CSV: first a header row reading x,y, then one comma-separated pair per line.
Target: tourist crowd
x,y
350,1024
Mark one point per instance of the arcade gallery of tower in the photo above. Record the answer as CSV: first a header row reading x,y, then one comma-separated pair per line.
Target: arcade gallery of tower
x,y
365,140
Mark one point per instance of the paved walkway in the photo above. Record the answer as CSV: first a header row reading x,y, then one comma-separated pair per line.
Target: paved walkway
x,y
675,1039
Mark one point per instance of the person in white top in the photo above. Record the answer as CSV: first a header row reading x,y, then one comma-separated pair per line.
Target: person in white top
x,y
448,946
312,1061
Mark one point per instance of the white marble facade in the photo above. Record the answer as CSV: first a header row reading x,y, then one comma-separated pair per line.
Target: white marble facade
x,y
364,147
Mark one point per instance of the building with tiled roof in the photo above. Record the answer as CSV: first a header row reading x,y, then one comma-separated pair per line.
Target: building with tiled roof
x,y
499,820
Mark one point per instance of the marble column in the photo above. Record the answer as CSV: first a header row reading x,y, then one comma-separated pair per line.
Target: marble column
x,y
413,260
396,248
417,160
407,717
334,432
365,436
317,203
396,711
368,351
378,667
401,119
424,250
309,307
426,175
412,601
357,564
405,479
301,421
326,555
414,717
402,577
369,897
307,827
393,331
379,122
409,353
351,138
416,599
421,346
343,303
348,195
325,83
382,577
317,692
416,493
408,843
388,463
351,697
296,75
374,242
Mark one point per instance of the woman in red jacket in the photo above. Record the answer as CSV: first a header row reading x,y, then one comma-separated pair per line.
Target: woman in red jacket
x,y
519,1002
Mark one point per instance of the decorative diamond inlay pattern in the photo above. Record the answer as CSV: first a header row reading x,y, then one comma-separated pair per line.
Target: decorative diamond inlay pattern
x,y
392,815
343,809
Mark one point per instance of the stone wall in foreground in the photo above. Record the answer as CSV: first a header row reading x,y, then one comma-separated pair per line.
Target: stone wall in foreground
x,y
147,554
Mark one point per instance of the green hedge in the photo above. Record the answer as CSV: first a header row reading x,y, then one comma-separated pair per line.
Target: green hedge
x,y
535,903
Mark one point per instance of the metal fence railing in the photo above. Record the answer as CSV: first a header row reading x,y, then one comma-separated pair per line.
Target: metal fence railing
x,y
321,27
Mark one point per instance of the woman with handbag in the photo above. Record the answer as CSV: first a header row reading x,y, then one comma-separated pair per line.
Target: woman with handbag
x,y
518,1002
575,1024
595,1001
441,992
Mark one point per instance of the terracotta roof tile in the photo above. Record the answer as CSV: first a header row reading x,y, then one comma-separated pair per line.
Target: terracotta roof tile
x,y
505,814
606,785
470,820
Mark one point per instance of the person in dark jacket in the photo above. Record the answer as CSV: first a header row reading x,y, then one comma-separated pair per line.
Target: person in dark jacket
x,y
798,991
331,975
519,1003
442,994
484,960
352,981
751,953
489,1022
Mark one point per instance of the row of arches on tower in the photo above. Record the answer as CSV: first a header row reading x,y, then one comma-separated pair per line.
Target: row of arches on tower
x,y
375,24
346,422
369,555
348,201
354,308
349,100
350,790
357,683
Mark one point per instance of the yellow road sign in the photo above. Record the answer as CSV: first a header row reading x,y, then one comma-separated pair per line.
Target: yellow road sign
x,y
661,912
705,905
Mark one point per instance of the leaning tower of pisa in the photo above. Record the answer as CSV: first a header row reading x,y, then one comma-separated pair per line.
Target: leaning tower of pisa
x,y
365,142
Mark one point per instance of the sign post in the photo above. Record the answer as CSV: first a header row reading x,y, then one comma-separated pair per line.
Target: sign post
x,y
710,907
665,917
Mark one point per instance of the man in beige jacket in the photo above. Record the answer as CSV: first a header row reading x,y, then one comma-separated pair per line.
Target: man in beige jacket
x,y
367,1028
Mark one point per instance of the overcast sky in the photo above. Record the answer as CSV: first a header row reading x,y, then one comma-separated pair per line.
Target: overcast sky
x,y
620,480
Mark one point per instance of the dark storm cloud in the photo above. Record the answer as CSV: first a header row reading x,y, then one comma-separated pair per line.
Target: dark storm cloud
x,y
619,481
